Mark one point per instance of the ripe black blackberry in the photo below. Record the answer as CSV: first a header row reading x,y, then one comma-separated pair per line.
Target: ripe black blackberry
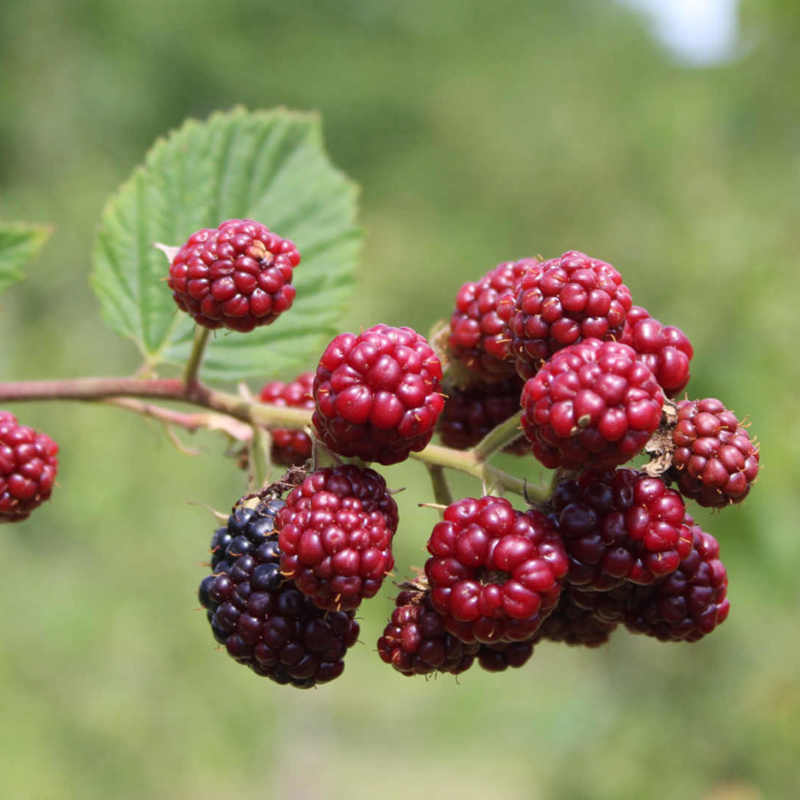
x,y
244,532
263,620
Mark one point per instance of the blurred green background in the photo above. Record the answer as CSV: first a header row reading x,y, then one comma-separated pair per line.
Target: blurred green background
x,y
479,132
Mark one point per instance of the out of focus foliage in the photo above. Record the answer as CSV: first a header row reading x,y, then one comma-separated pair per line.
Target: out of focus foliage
x,y
479,132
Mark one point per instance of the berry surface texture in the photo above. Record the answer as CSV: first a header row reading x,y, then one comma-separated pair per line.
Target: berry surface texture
x,y
377,394
592,403
236,276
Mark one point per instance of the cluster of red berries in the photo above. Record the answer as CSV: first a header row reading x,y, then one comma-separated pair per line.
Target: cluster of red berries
x,y
542,357
556,345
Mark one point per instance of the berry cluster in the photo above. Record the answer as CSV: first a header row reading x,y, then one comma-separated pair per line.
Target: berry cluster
x,y
610,545
549,358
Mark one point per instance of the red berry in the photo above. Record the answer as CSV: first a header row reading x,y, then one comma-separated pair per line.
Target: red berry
x,y
574,625
479,334
290,447
377,394
664,348
236,276
499,657
28,467
619,525
494,572
470,413
262,619
593,403
715,462
689,603
335,534
563,301
415,641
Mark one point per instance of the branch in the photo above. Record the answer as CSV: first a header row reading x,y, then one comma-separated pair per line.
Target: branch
x,y
190,422
123,391
163,388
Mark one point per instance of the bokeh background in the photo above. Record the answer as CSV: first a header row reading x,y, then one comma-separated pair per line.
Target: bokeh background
x,y
479,132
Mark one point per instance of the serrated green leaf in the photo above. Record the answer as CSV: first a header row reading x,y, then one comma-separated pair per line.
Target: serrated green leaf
x,y
265,165
20,242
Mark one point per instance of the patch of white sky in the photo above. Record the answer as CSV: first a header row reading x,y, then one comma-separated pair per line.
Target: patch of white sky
x,y
697,32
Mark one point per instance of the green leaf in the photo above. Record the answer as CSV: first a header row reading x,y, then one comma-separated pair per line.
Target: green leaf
x,y
270,166
20,242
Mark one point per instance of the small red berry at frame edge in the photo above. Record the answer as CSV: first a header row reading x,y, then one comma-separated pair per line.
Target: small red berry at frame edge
x,y
236,276
28,467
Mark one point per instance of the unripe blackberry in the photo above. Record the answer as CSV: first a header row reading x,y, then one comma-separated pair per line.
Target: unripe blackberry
x,y
28,467
689,603
479,334
377,394
290,447
562,302
619,525
264,621
470,413
415,641
714,462
574,625
499,657
592,404
236,276
336,534
664,348
494,572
